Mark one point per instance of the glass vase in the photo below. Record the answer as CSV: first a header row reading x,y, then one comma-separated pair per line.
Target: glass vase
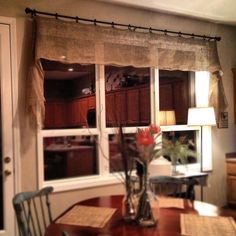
x,y
128,205
144,215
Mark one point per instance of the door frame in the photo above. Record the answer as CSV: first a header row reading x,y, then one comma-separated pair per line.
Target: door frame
x,y
11,22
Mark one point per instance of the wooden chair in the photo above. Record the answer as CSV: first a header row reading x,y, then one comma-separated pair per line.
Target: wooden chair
x,y
33,211
173,187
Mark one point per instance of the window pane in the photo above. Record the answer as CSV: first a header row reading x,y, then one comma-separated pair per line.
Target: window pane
x,y
70,95
70,156
188,137
127,96
116,160
175,95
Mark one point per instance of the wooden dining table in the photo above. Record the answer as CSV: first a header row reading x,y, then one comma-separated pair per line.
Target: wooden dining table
x,y
168,219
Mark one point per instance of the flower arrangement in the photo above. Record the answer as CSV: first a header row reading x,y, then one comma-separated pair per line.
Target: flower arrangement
x,y
148,143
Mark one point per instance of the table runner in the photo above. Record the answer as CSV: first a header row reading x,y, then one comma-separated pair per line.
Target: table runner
x,y
87,216
195,225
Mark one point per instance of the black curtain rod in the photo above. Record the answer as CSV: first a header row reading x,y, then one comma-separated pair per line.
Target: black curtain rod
x,y
34,12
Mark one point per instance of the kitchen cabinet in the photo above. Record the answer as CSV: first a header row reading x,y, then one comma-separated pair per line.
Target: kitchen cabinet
x,y
231,177
55,114
144,106
120,105
68,113
110,109
133,106
175,95
128,106
116,107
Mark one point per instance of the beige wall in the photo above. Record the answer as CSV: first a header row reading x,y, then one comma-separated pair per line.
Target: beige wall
x,y
223,139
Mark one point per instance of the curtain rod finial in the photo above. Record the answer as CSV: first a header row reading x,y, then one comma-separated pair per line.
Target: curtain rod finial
x,y
28,10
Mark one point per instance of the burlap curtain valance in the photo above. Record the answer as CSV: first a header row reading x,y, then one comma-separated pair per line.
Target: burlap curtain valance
x,y
72,42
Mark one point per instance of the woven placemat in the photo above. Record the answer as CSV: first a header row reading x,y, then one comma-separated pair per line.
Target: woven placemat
x,y
195,225
87,216
169,202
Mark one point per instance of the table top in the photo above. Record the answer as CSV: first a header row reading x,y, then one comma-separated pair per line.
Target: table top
x,y
168,219
191,174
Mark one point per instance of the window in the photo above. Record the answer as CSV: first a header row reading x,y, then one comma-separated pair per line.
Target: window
x,y
85,105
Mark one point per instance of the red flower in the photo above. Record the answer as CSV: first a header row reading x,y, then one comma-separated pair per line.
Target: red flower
x,y
144,137
154,129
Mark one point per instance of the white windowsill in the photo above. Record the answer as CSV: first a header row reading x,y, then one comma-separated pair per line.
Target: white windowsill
x,y
83,182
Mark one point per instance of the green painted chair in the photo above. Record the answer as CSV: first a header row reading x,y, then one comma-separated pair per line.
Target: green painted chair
x,y
33,211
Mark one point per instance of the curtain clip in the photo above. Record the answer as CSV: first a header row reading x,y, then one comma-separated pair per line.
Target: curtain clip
x,y
112,24
165,32
180,34
193,36
150,30
129,27
95,22
77,19
56,16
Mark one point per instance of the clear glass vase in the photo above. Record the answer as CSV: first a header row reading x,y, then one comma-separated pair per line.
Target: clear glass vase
x,y
144,214
128,204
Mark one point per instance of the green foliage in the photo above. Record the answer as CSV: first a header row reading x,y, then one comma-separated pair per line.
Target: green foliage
x,y
177,151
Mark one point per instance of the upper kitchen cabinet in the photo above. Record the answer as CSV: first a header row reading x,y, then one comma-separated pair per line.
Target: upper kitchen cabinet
x,y
175,93
69,91
127,96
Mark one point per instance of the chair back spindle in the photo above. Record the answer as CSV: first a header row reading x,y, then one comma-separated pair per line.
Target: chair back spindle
x,y
33,211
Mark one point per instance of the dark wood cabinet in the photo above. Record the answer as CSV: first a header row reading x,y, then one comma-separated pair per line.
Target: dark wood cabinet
x,y
55,114
110,108
82,105
144,106
128,106
68,113
166,97
175,95
133,106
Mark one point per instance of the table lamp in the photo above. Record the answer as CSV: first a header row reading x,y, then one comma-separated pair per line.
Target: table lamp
x,y
167,117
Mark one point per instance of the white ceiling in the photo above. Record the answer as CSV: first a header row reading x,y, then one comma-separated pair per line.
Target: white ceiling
x,y
219,11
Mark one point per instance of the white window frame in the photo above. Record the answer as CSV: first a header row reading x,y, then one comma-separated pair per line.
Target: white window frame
x,y
102,132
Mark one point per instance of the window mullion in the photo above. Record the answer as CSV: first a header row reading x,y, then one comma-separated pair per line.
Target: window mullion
x,y
103,152
155,106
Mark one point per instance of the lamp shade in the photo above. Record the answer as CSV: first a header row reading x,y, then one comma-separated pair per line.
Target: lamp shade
x,y
201,116
167,117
